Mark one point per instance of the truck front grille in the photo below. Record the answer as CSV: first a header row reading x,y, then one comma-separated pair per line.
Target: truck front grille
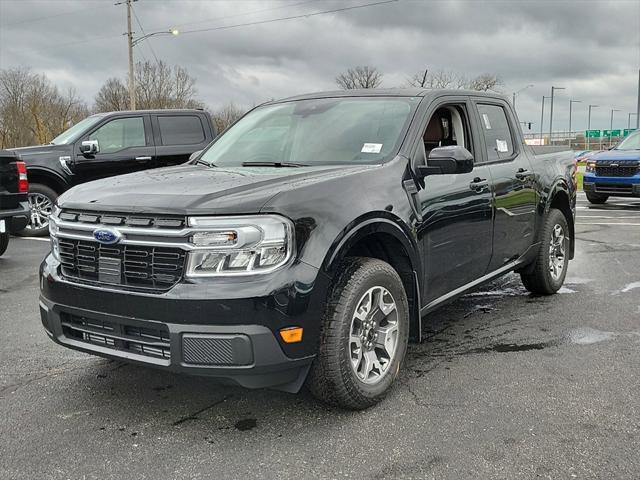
x,y
155,268
150,340
617,171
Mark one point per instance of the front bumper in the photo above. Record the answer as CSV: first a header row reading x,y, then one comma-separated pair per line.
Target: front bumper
x,y
203,328
617,186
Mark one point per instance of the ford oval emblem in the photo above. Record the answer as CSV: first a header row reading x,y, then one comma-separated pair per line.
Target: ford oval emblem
x,y
107,236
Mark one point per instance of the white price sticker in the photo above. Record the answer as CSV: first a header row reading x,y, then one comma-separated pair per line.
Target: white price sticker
x,y
371,148
502,146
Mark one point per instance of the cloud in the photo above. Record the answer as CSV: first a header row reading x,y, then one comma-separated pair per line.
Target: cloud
x,y
591,48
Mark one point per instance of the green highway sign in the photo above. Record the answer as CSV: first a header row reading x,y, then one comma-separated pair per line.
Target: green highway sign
x,y
592,134
611,133
627,131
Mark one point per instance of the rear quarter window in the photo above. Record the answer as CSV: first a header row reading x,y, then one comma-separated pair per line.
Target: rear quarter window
x,y
181,129
497,133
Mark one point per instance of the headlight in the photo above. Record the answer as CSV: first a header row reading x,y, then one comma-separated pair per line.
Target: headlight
x,y
239,245
53,232
591,167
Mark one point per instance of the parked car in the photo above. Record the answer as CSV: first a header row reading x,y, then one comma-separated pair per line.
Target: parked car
x,y
108,144
614,172
308,241
14,207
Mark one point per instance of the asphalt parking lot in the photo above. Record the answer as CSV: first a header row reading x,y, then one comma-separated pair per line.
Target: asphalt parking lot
x,y
506,385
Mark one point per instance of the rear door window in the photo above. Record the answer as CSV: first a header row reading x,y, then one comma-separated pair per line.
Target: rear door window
x,y
181,130
497,132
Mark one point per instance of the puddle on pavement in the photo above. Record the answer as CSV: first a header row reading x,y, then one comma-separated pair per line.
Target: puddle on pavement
x,y
587,336
628,287
566,290
513,347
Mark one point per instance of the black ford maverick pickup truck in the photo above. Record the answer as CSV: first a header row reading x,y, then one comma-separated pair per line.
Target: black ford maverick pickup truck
x,y
310,241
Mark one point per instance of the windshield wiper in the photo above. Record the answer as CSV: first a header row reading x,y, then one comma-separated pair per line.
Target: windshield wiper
x,y
273,164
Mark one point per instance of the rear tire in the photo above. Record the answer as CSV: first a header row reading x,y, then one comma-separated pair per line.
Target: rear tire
x,y
552,259
4,242
597,199
41,201
364,335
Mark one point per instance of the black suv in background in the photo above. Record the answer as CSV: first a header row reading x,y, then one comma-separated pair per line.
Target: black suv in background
x,y
108,144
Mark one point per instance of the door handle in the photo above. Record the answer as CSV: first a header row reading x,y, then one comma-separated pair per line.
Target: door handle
x,y
478,184
143,159
523,174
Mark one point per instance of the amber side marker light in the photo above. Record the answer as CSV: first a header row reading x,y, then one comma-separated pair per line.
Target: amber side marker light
x,y
291,334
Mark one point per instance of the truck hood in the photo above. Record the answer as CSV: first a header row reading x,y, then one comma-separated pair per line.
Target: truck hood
x,y
197,189
616,155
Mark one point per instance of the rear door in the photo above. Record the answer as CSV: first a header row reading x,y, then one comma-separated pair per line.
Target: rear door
x,y
177,136
126,145
512,181
457,213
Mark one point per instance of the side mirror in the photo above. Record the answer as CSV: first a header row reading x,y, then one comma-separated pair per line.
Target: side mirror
x,y
447,161
89,147
194,155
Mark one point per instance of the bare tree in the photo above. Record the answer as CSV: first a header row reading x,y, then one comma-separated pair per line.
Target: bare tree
x,y
226,116
32,110
359,77
158,85
453,80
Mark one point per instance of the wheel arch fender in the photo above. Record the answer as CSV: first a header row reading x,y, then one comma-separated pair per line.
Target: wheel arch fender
x,y
396,245
560,197
48,177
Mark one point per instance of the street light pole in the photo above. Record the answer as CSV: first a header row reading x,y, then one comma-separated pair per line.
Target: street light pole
x,y
571,102
589,122
611,125
132,94
542,120
516,94
553,89
629,121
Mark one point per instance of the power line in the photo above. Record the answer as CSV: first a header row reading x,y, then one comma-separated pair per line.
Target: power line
x,y
292,17
47,17
239,25
289,5
135,15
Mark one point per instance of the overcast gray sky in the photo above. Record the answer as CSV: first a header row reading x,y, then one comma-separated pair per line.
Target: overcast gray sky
x,y
592,48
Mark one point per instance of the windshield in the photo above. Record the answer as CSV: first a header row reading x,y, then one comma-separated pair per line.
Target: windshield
x,y
316,132
74,132
632,142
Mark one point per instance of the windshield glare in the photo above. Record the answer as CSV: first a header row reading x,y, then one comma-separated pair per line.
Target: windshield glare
x,y
632,142
327,131
72,133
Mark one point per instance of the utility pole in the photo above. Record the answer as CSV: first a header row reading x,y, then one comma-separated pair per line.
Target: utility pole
x,y
132,86
542,120
629,121
571,102
638,108
589,122
551,113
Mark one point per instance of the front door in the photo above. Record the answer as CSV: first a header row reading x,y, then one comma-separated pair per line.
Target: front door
x,y
457,211
513,182
126,145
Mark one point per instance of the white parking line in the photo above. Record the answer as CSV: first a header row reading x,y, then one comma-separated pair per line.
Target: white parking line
x,y
609,223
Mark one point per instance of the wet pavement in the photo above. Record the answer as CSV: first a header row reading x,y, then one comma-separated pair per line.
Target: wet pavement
x,y
506,385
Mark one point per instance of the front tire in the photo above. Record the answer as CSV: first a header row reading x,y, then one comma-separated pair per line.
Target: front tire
x,y
597,199
550,266
4,242
364,335
41,201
